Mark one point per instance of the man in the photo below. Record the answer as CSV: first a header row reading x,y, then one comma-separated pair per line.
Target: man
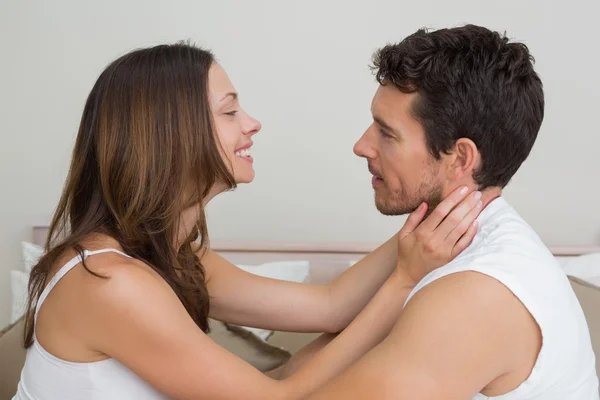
x,y
463,107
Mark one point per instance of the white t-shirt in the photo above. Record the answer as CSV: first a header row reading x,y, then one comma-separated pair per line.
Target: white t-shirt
x,y
507,249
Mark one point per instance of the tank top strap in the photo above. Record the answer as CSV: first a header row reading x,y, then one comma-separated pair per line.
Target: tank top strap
x,y
65,269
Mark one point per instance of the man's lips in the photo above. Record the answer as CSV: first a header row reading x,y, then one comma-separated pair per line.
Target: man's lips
x,y
374,173
375,180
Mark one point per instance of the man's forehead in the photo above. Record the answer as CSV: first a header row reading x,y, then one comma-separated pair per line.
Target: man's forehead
x,y
389,99
392,109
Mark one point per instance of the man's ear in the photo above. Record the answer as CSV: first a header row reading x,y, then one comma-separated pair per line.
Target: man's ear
x,y
463,159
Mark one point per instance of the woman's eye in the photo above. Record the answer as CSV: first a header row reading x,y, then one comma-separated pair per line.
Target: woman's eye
x,y
232,113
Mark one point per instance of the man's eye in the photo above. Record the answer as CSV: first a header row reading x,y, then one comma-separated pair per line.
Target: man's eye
x,y
384,134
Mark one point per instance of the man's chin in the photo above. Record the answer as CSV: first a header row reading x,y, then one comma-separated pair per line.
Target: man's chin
x,y
399,204
392,209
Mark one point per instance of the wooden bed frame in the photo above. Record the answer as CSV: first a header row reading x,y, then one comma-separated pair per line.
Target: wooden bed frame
x,y
327,260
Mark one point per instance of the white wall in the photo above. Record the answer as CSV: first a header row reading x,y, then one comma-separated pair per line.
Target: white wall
x,y
301,68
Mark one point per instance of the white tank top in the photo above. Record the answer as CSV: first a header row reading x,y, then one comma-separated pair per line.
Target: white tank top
x,y
46,377
508,250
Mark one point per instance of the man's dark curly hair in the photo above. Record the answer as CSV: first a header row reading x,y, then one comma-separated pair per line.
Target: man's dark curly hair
x,y
470,83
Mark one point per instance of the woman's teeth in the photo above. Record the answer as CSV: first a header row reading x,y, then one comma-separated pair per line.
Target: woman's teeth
x,y
243,153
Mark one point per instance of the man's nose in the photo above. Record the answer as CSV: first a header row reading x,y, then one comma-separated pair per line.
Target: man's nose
x,y
364,148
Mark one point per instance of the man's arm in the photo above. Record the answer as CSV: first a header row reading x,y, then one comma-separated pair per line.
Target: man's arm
x,y
454,338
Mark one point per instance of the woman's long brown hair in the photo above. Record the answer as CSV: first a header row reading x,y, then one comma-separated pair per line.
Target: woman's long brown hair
x,y
145,151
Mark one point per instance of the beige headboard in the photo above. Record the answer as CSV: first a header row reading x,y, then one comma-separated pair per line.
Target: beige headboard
x,y
327,260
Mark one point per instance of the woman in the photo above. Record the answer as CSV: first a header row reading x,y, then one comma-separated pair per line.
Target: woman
x,y
119,304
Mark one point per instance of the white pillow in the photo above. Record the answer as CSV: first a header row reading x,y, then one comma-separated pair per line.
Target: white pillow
x,y
19,279
18,288
31,255
294,271
586,267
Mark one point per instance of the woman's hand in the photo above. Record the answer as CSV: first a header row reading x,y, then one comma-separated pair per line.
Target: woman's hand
x,y
424,245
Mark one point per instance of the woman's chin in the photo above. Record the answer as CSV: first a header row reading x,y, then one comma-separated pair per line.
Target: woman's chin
x,y
246,178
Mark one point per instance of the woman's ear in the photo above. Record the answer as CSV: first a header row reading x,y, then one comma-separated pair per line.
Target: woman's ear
x,y
464,159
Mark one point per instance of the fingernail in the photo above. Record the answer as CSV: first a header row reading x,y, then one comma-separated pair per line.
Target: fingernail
x,y
422,206
464,190
477,195
479,204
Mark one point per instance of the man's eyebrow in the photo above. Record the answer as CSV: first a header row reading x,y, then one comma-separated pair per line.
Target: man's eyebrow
x,y
234,95
384,124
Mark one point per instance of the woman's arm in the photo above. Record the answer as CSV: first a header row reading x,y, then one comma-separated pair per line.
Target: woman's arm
x,y
242,298
245,299
352,290
367,330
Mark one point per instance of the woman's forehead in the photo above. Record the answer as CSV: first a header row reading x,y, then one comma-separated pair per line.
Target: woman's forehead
x,y
219,83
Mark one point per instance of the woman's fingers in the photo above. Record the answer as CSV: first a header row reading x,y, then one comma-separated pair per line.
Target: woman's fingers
x,y
413,220
442,210
453,237
465,239
459,219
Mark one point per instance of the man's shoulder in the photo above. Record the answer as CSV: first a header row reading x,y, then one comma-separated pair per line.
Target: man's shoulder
x,y
462,287
506,249
506,237
478,317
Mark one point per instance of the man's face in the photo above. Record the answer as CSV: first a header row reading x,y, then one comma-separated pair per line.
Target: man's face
x,y
404,172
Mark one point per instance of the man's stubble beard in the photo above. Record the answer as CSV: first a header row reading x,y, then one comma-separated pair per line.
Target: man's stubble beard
x,y
401,202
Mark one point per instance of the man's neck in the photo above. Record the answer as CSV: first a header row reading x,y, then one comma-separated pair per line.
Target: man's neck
x,y
489,194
